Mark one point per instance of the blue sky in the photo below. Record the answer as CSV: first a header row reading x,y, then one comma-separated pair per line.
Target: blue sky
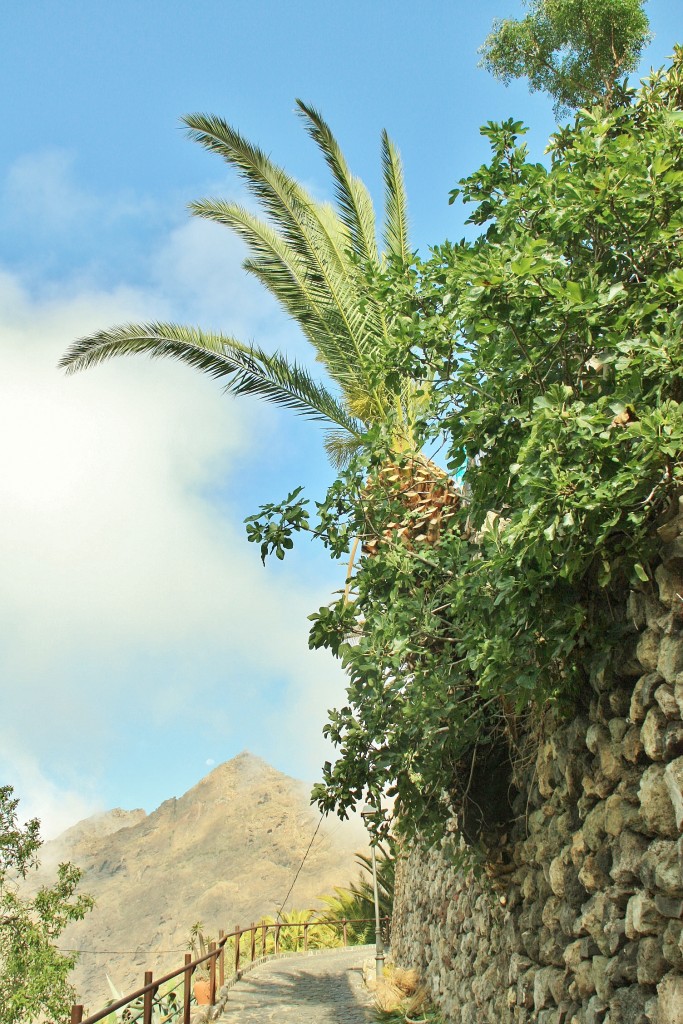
x,y
140,638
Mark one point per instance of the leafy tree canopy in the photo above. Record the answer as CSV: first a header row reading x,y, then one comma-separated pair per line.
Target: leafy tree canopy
x,y
33,972
575,50
555,341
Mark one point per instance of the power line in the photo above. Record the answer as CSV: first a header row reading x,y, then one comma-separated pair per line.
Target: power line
x,y
303,861
130,952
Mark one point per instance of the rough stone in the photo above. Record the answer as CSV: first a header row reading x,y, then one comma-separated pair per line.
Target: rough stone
x,y
594,827
669,906
670,584
670,1003
653,734
627,1006
651,963
644,695
620,814
627,855
632,749
673,779
647,650
656,806
670,660
593,875
595,1011
661,868
584,981
665,697
678,693
642,917
603,987
672,944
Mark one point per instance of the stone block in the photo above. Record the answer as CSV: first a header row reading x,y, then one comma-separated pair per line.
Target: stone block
x,y
673,779
670,1001
670,660
665,697
647,650
669,906
584,981
578,849
644,695
592,874
611,765
661,868
627,1006
620,814
656,806
651,964
653,734
595,1010
678,693
603,987
575,952
642,917
627,856
594,827
545,981
670,584
632,749
672,944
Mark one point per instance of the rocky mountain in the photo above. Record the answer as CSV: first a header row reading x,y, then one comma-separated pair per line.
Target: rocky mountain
x,y
224,853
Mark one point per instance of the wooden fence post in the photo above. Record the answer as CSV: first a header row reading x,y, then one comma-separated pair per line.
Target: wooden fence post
x,y
187,989
221,958
147,1000
212,974
238,935
76,1013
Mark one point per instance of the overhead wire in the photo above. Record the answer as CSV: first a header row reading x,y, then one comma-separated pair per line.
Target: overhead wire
x,y
303,861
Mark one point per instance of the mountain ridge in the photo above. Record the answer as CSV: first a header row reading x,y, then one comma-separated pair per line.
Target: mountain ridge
x,y
226,851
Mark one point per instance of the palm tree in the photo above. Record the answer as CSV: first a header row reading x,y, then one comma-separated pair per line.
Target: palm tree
x,y
314,258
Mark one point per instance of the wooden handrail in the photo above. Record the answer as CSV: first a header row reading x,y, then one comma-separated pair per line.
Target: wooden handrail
x,y
216,954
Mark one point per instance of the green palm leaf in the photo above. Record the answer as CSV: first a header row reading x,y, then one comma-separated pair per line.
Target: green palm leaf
x,y
395,202
252,371
353,198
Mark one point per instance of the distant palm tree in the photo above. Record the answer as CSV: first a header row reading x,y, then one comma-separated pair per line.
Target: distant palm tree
x,y
314,258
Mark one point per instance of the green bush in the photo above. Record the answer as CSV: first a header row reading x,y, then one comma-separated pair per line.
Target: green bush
x,y
550,348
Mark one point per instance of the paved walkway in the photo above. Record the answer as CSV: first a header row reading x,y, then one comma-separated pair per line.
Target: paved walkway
x,y
323,988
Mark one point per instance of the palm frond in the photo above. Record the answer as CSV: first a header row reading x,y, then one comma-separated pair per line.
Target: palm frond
x,y
251,371
340,446
353,199
277,265
395,202
306,225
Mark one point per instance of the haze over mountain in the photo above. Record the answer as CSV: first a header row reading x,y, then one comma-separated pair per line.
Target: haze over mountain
x,y
224,853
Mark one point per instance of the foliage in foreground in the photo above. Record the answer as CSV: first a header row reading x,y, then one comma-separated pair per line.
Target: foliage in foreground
x,y
33,972
553,347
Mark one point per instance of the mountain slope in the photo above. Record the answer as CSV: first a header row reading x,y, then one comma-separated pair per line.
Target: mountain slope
x,y
226,852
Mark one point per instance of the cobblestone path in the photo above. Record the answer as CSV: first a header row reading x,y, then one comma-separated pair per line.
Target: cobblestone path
x,y
323,988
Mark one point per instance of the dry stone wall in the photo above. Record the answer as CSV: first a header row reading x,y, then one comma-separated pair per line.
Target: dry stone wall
x,y
581,920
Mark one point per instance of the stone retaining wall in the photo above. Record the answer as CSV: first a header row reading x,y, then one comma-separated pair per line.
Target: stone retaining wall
x,y
581,922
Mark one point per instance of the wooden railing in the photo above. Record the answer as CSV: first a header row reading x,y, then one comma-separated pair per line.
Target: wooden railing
x,y
255,936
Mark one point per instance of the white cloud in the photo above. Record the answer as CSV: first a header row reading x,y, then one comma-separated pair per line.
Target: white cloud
x,y
111,551
129,601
